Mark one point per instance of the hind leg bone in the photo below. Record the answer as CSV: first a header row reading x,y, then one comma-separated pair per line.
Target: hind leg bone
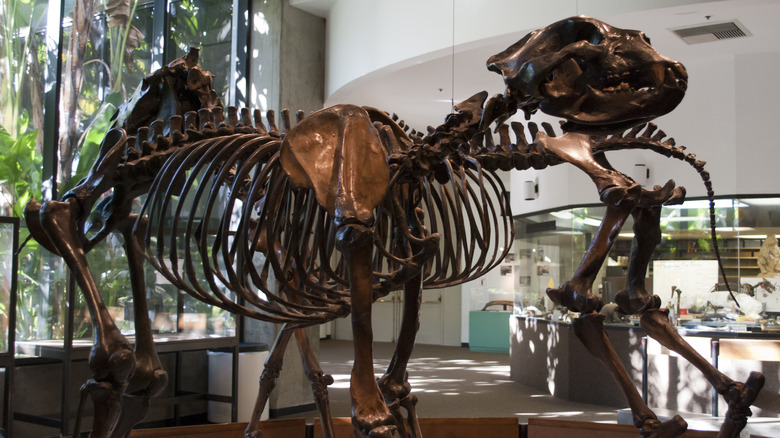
x,y
394,383
319,381
739,396
636,299
111,361
149,379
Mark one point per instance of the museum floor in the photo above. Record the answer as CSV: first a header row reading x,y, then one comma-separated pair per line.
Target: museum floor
x,y
456,382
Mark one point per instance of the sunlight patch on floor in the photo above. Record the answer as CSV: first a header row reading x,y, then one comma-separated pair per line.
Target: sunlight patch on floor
x,y
551,414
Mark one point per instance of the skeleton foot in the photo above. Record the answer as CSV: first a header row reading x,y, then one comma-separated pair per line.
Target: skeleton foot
x,y
398,395
652,428
392,389
112,365
107,400
135,404
319,385
739,398
374,424
410,404
371,417
134,410
568,295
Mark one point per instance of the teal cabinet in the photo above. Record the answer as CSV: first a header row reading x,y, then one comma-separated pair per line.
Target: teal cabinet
x,y
489,331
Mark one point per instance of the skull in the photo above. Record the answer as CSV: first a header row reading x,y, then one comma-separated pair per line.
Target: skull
x,y
595,76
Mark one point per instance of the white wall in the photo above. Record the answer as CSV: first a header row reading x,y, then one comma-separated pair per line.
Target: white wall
x,y
365,36
757,116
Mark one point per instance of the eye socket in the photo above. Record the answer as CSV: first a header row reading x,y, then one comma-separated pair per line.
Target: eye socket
x,y
573,31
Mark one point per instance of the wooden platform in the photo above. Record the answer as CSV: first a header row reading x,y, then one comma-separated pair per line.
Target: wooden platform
x,y
503,427
499,427
549,428
288,428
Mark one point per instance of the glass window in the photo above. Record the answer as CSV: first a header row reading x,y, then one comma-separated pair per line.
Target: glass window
x,y
205,24
9,236
550,245
23,61
100,67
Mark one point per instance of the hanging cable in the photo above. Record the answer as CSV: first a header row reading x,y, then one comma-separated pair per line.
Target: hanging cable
x,y
452,83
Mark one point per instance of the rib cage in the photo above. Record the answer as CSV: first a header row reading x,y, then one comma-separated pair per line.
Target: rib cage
x,y
471,214
224,224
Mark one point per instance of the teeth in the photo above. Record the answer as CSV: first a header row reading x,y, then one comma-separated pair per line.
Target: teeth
x,y
670,80
659,72
622,88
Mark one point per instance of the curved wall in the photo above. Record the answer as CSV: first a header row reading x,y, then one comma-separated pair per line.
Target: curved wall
x,y
726,118
366,36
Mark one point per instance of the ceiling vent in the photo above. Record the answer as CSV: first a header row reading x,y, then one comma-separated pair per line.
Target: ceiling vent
x,y
706,32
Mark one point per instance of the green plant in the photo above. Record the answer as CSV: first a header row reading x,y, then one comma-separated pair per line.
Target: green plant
x,y
88,102
19,65
21,104
20,161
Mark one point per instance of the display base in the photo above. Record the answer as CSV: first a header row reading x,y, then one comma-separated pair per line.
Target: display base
x,y
498,427
550,428
287,428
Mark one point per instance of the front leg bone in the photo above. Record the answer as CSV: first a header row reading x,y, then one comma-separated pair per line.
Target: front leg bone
x,y
319,381
370,415
614,187
149,379
394,384
617,191
647,235
576,294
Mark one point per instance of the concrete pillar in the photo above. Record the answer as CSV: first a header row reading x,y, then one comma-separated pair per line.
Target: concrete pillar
x,y
287,69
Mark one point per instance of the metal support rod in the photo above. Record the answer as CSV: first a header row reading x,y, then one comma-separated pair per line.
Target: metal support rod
x,y
68,349
714,352
10,369
644,369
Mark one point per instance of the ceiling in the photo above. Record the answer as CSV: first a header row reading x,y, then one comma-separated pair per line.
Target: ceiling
x,y
421,91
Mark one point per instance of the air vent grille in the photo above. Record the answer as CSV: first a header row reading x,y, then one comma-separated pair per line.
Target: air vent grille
x,y
707,32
